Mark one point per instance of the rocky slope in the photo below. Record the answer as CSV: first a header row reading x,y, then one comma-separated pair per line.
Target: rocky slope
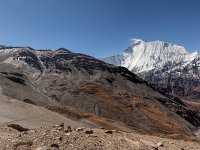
x,y
82,87
31,116
54,138
168,67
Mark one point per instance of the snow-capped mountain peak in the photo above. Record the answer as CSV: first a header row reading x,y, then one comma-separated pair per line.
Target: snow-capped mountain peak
x,y
143,56
137,41
167,67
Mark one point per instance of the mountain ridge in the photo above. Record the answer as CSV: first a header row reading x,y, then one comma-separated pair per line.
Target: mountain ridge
x,y
101,92
152,52
162,63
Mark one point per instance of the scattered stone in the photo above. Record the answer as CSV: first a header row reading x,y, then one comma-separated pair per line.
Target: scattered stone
x,y
19,135
18,127
88,131
68,134
32,131
55,145
71,145
41,148
24,132
148,143
142,146
59,138
79,129
87,139
110,131
69,129
92,135
23,144
60,127
160,144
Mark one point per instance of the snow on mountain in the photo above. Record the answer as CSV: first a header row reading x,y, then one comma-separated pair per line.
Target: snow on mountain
x,y
168,67
143,56
65,80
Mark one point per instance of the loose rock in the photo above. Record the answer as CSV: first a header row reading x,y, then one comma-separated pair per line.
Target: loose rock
x,y
88,131
55,145
18,127
110,131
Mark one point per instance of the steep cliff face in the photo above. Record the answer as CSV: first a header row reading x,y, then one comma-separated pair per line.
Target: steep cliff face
x,y
168,67
78,84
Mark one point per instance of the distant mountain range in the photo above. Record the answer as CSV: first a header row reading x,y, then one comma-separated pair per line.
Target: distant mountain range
x,y
84,88
168,67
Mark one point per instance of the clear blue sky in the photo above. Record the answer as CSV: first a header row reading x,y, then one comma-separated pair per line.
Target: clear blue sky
x,y
98,27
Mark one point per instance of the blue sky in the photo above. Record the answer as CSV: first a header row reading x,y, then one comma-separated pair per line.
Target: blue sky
x,y
98,27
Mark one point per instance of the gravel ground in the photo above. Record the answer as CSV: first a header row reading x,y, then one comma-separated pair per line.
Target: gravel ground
x,y
54,138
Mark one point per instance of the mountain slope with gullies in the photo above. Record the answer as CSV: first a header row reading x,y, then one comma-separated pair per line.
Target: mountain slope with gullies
x,y
168,67
80,86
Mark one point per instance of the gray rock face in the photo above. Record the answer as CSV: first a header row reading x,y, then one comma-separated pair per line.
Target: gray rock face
x,y
183,81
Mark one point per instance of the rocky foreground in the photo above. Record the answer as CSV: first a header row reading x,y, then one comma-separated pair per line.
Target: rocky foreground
x,y
15,137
